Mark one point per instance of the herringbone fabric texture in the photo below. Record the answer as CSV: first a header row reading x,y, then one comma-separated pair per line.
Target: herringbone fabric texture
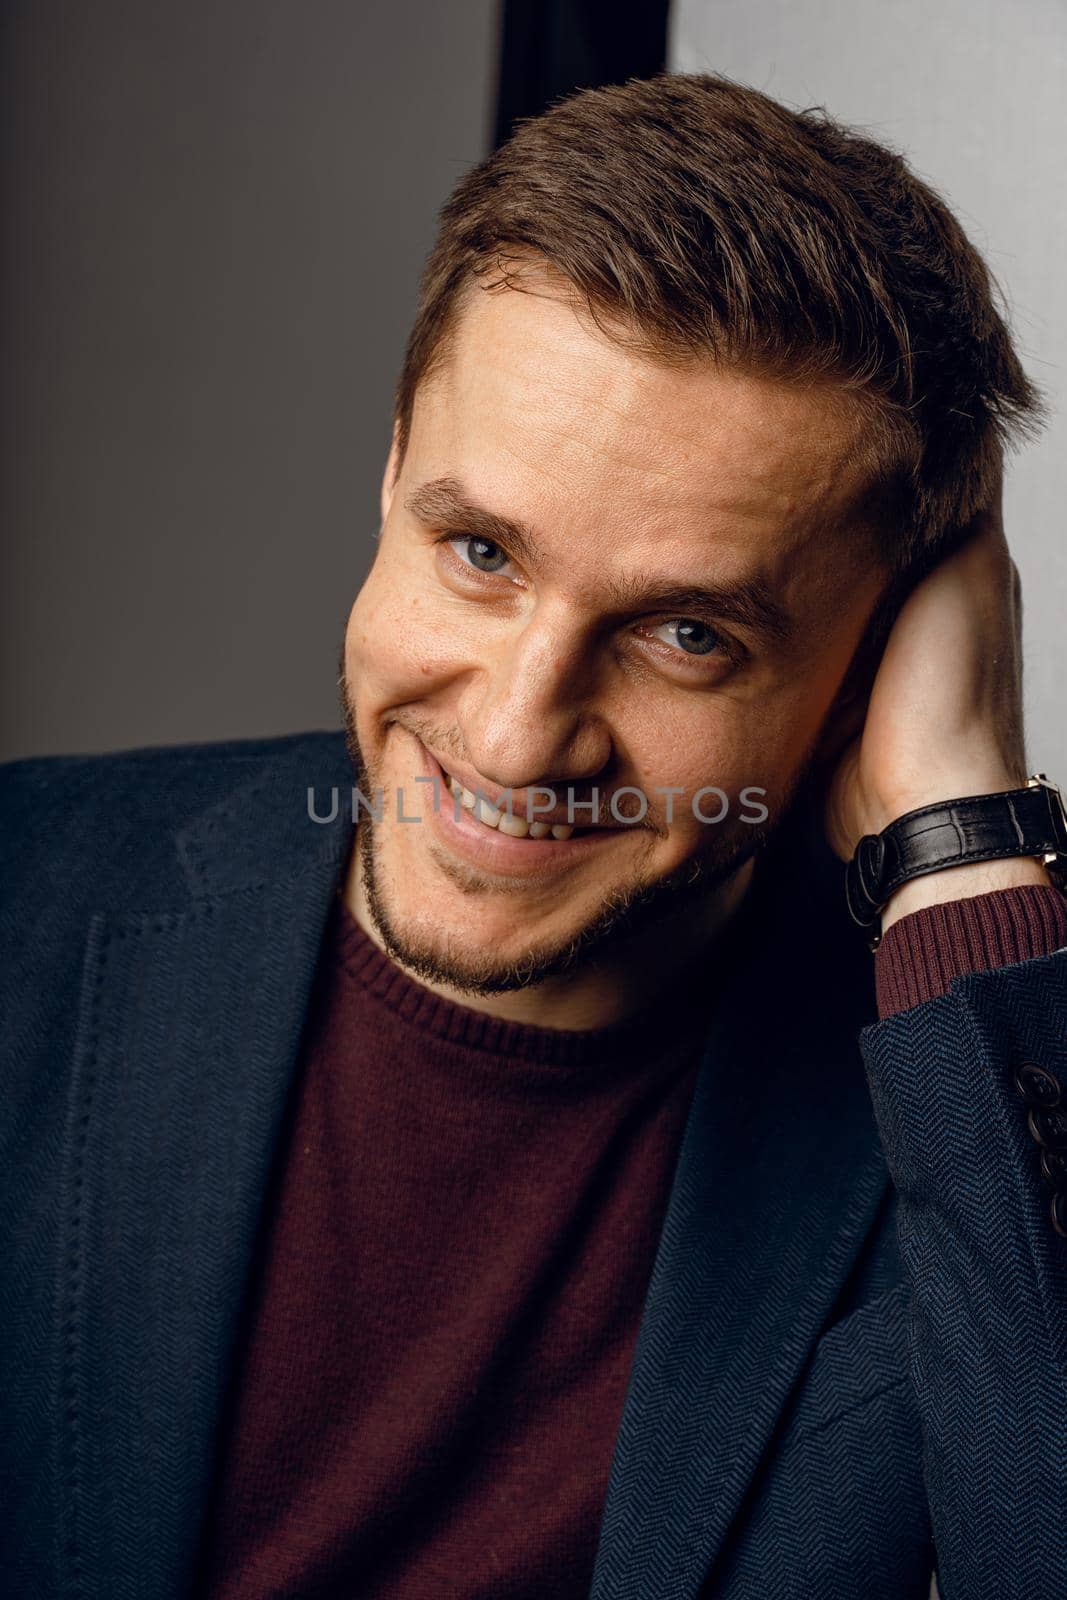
x,y
987,1274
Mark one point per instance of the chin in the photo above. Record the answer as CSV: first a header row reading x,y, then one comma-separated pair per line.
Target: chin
x,y
473,934
479,960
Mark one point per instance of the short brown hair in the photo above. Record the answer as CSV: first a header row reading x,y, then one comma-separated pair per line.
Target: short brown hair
x,y
709,219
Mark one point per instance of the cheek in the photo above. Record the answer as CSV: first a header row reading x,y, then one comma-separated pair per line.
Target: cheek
x,y
687,749
398,645
726,744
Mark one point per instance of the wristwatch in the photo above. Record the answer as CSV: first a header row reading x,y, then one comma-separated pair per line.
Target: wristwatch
x,y
951,833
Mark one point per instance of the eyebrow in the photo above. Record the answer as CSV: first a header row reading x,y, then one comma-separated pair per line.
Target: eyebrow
x,y
443,502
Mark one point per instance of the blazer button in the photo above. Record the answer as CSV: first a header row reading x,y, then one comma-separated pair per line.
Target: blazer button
x,y
1037,1085
1058,1213
1054,1167
1049,1128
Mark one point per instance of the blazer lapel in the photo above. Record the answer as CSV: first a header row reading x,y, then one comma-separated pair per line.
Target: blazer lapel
x,y
189,1031
779,1179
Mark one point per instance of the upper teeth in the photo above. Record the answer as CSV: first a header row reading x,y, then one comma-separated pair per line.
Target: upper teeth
x,y
515,827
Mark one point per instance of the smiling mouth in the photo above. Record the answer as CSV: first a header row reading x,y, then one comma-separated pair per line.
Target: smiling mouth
x,y
505,812
509,823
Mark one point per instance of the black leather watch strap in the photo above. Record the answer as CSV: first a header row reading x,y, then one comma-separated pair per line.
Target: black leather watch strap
x,y
984,827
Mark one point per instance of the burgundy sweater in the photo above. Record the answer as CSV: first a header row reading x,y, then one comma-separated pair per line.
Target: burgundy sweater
x,y
454,1262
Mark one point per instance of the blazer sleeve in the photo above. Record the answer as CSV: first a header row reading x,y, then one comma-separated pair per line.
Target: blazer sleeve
x,y
970,1094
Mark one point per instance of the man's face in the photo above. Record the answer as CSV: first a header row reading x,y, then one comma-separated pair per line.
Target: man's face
x,y
600,570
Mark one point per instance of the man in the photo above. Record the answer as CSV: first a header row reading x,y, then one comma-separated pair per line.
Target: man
x,y
471,1157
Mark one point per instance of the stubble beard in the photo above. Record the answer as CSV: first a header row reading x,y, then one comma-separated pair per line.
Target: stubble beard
x,y
627,910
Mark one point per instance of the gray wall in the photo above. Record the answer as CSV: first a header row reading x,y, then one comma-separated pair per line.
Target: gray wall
x,y
972,92
215,218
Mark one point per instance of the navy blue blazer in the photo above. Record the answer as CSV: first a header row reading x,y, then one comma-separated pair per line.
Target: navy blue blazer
x,y
852,1363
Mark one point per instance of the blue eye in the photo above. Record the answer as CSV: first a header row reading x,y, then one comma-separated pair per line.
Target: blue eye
x,y
686,634
483,554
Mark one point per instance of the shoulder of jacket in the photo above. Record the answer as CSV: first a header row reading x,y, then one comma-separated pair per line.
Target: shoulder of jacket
x,y
81,819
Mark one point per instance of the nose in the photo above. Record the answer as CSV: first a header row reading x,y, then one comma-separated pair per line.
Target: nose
x,y
528,716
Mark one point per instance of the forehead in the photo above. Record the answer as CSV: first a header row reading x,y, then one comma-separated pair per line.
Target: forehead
x,y
548,420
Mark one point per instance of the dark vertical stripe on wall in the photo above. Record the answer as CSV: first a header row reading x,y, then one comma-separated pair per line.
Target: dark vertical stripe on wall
x,y
550,48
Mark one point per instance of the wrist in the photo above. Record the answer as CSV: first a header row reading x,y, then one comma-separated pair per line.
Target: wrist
x,y
957,848
954,784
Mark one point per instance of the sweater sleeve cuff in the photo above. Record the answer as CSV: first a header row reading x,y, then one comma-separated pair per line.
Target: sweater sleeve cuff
x,y
922,952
